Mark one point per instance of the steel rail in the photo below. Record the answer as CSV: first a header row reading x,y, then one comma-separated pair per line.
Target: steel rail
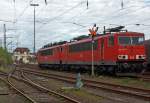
x,y
94,81
96,84
48,90
17,90
11,84
44,89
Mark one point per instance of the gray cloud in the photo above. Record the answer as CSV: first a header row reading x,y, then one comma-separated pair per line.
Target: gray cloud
x,y
56,21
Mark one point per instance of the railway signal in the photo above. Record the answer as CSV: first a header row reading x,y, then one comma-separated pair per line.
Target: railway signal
x,y
93,33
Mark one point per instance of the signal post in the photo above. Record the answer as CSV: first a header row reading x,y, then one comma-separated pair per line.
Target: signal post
x,y
93,33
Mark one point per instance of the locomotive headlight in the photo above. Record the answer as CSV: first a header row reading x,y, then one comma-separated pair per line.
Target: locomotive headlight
x,y
140,57
122,56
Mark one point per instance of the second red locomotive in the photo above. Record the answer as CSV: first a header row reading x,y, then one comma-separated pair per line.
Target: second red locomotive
x,y
114,52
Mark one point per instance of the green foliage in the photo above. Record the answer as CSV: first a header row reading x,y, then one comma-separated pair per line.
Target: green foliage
x,y
5,57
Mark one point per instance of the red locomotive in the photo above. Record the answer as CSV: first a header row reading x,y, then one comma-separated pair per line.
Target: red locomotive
x,y
147,49
114,52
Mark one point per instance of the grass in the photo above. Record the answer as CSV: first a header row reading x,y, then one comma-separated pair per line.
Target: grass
x,y
82,94
126,81
5,57
2,84
5,69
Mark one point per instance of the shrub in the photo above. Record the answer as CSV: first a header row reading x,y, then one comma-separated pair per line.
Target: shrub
x,y
5,57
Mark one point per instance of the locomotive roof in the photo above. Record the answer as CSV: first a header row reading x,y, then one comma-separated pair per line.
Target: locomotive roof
x,y
106,35
130,33
97,37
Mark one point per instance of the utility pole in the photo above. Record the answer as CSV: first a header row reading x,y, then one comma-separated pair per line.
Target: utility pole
x,y
34,5
5,37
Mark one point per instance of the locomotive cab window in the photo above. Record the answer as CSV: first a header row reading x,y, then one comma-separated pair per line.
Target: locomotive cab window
x,y
131,40
111,41
124,40
137,40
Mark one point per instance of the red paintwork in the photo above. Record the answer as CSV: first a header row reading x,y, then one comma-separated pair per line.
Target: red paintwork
x,y
109,53
133,50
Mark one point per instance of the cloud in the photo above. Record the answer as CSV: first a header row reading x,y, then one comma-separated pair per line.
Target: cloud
x,y
56,21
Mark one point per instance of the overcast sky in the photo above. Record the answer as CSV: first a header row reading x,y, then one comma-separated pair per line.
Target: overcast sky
x,y
65,19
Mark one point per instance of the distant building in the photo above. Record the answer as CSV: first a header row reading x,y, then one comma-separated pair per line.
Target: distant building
x,y
22,55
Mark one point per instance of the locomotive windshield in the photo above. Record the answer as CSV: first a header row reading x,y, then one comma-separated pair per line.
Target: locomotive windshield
x,y
132,40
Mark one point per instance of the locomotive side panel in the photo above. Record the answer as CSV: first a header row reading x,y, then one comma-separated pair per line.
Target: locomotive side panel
x,y
80,53
109,49
64,54
49,56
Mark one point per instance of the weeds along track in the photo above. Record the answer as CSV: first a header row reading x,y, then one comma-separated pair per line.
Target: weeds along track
x,y
145,76
127,90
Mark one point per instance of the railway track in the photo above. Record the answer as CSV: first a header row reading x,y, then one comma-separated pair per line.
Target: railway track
x,y
34,85
48,91
145,76
135,92
7,81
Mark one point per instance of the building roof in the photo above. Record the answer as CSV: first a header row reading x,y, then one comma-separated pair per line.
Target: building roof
x,y
21,49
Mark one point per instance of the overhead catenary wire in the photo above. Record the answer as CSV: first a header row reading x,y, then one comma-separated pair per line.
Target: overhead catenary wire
x,y
75,24
116,12
61,14
6,21
22,13
132,11
27,7
118,15
42,9
78,24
